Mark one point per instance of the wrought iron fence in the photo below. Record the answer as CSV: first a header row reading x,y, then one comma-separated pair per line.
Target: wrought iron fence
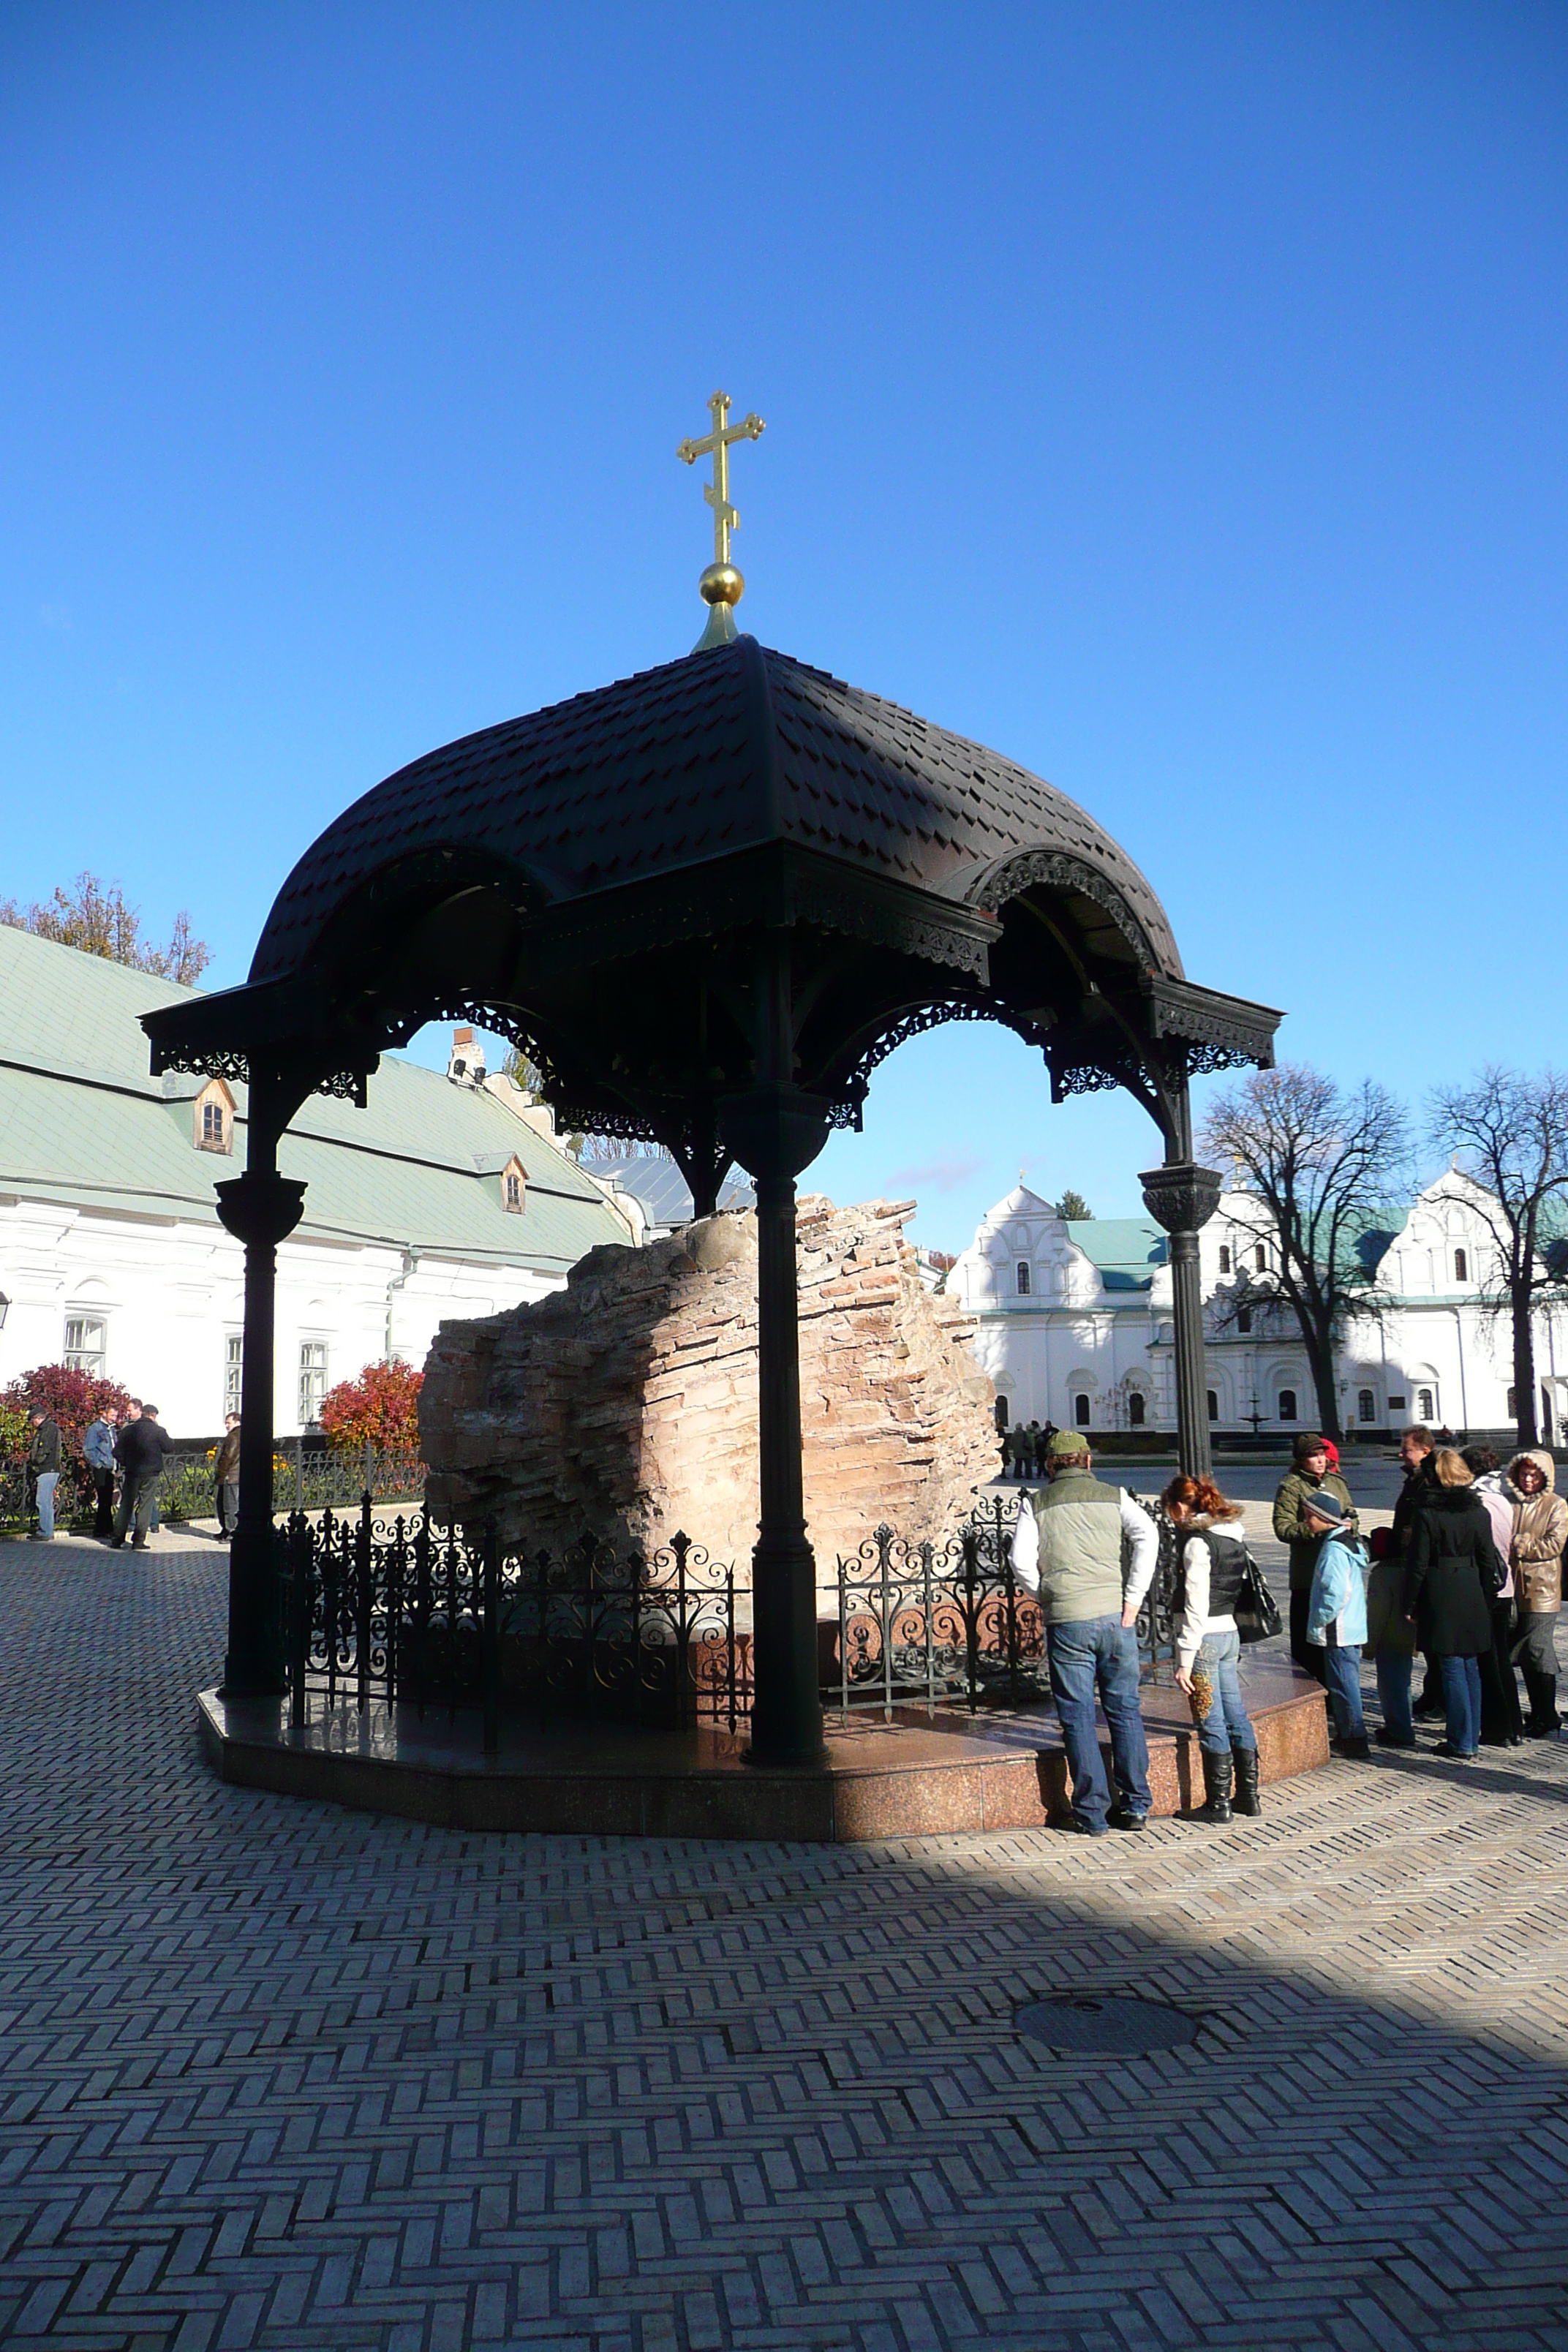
x,y
311,1478
441,1617
919,1623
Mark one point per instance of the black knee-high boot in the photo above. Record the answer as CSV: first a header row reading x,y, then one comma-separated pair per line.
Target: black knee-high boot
x,y
1219,1777
1248,1799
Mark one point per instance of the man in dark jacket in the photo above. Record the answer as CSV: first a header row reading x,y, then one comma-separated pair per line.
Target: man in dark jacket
x,y
225,1478
142,1447
43,1468
1417,1451
1308,1474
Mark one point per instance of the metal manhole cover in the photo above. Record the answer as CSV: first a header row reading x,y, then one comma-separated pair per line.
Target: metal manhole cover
x,y
1105,2026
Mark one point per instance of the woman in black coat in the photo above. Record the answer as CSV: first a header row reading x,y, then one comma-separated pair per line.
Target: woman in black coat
x,y
1451,1571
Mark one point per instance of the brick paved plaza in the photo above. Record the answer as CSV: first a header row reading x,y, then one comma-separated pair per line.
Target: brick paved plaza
x,y
281,2075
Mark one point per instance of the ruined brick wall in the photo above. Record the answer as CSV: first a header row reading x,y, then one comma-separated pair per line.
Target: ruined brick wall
x,y
627,1403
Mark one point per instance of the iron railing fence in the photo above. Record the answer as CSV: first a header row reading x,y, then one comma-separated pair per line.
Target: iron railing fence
x,y
919,1623
444,1618
309,1478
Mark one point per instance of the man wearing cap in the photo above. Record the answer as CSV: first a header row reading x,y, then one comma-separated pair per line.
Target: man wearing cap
x,y
1308,1474
1067,1549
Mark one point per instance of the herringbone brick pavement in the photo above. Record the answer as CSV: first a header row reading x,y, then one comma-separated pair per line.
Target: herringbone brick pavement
x,y
276,2075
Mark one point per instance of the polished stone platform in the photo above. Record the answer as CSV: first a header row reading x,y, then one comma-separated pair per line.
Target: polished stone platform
x,y
919,1776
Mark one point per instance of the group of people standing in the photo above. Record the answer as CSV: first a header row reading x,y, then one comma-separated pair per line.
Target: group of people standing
x,y
121,1450
1470,1575
1025,1448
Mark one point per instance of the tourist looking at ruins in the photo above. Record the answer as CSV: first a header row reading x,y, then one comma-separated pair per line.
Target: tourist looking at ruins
x,y
1450,1574
1214,1563
1418,1453
1336,1616
1540,1533
1391,1638
1308,1473
1067,1549
1502,1724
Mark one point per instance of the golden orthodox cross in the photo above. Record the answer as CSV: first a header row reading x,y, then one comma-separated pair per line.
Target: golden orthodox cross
x,y
717,492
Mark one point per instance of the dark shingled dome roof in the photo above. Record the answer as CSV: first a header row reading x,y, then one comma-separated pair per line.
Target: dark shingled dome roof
x,y
718,752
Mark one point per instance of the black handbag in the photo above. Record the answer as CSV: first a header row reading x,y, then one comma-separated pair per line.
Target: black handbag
x,y
1255,1609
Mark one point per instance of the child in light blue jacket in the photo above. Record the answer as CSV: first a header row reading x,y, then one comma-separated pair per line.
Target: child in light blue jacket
x,y
1336,1614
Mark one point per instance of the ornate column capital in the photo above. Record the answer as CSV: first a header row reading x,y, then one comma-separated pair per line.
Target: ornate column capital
x,y
773,1130
259,1208
1181,1196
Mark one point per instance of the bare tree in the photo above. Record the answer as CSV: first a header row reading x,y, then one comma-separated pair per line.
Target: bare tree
x,y
1513,1132
95,918
1313,1162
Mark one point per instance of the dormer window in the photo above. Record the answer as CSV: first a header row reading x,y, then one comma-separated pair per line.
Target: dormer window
x,y
1023,1279
513,1187
1244,1321
214,1110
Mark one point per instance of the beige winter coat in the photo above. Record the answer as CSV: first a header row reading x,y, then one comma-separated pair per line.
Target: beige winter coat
x,y
1539,1532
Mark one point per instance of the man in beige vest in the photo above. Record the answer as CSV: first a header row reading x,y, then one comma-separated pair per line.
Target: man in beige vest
x,y
1067,1549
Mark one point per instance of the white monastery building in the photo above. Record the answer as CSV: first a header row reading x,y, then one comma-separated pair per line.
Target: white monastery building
x,y
1074,1322
447,1196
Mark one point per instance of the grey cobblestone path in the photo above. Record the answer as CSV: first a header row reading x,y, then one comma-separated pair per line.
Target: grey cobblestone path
x,y
276,2075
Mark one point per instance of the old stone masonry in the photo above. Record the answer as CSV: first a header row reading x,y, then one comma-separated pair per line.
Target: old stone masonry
x,y
610,1404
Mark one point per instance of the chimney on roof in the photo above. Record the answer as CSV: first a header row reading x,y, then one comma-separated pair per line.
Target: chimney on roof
x,y
466,1063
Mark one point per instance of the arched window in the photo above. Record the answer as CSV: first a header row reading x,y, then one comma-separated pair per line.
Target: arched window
x,y
1462,1266
1511,1408
1244,1321
1261,1258
84,1350
1214,1406
1426,1411
1080,1412
1134,1411
1023,1279
1224,1257
1365,1405
1287,1404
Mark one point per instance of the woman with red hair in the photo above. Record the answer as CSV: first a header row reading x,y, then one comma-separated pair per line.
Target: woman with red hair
x,y
1214,1561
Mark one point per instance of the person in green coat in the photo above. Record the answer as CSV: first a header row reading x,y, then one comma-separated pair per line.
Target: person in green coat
x,y
1308,1473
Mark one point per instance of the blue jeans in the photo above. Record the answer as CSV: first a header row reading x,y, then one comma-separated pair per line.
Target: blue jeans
x,y
48,1480
1227,1724
1100,1653
1394,1694
1341,1670
1462,1690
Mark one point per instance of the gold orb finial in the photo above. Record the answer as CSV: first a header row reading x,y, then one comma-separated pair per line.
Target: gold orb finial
x,y
721,584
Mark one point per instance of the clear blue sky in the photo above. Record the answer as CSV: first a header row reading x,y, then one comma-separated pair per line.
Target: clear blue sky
x,y
1171,397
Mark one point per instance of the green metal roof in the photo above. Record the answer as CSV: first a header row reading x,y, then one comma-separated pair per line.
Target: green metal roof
x,y
83,1123
1131,1247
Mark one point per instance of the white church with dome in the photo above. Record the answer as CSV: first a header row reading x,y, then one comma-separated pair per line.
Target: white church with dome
x,y
1074,1322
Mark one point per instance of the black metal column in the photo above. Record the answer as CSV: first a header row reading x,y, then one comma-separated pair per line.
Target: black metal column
x,y
774,1131
1182,1197
259,1208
